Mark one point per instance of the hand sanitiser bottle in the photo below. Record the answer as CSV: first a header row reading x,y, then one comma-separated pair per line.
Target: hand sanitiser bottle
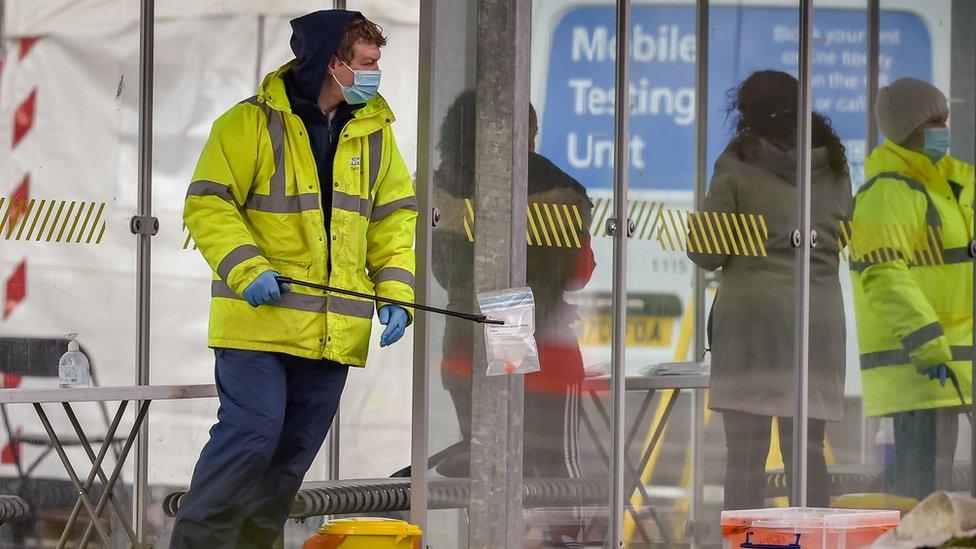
x,y
74,371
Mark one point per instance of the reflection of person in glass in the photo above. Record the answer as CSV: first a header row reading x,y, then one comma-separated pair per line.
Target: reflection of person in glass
x,y
551,396
913,282
753,355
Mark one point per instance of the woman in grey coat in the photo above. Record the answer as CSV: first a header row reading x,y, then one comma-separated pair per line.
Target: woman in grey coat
x,y
753,347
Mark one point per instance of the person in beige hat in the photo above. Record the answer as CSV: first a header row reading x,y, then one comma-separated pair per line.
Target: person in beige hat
x,y
913,277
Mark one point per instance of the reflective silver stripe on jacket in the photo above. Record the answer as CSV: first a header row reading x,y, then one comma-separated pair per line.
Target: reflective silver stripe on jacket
x,y
375,157
283,204
899,357
380,212
350,307
276,131
931,214
350,203
922,336
204,187
398,274
289,300
236,256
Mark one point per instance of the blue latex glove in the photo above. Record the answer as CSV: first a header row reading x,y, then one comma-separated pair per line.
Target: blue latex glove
x,y
395,319
265,289
940,372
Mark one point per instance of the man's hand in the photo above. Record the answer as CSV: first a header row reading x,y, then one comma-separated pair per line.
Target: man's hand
x,y
395,319
265,289
940,372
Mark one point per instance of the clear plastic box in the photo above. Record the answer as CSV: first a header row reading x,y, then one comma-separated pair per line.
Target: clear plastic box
x,y
817,528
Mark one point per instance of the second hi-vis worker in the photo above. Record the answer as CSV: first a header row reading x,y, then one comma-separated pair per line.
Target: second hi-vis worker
x,y
913,283
304,180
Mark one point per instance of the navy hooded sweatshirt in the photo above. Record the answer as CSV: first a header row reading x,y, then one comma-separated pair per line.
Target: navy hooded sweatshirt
x,y
314,40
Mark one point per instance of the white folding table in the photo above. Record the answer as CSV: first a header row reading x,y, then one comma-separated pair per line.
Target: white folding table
x,y
144,395
649,385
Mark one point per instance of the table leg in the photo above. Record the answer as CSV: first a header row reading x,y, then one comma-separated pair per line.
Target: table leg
x,y
646,457
630,467
114,477
113,428
639,419
96,461
82,494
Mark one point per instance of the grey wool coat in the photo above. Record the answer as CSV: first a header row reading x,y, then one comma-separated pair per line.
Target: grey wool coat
x,y
754,313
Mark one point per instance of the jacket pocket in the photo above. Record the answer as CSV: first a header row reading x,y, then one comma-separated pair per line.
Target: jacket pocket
x,y
291,268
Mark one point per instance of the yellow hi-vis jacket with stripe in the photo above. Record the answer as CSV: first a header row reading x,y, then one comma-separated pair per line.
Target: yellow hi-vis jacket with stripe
x,y
913,278
254,204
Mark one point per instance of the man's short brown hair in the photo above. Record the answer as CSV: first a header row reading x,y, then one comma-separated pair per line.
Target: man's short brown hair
x,y
358,30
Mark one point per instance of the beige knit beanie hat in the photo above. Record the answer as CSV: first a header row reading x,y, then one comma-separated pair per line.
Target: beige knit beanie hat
x,y
906,104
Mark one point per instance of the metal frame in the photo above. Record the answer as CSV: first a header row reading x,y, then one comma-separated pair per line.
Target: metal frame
x,y
803,174
3,29
701,175
621,158
144,256
421,351
873,68
420,414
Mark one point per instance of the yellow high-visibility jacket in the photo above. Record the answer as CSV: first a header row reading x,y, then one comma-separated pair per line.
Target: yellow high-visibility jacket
x,y
254,204
913,278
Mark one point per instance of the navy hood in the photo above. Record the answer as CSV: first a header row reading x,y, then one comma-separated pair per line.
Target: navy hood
x,y
314,40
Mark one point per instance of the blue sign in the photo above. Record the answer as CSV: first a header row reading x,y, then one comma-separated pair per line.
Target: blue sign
x,y
577,122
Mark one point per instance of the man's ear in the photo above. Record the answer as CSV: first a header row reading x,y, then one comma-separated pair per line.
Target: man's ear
x,y
333,65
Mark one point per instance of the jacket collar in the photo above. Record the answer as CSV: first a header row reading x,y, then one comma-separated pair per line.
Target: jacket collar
x,y
366,119
891,157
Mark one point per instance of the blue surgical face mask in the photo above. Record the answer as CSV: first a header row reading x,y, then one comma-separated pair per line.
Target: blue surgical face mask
x,y
364,86
936,143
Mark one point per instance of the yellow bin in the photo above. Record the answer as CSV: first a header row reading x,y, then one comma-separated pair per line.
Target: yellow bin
x,y
366,533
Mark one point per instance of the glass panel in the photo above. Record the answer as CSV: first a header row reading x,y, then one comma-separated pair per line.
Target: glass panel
x,y
738,233
570,267
203,66
376,410
571,287
452,265
67,261
910,297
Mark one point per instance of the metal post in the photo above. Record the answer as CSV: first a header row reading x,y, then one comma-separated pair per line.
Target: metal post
x,y
803,173
963,16
871,141
334,437
339,4
141,482
421,340
621,154
962,85
873,68
701,155
259,54
3,29
701,175
500,197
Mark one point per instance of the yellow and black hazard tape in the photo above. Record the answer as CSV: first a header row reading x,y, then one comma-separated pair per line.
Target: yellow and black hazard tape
x,y
865,243
59,221
548,224
726,233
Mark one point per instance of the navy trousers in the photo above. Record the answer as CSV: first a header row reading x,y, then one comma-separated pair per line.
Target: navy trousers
x,y
925,445
275,411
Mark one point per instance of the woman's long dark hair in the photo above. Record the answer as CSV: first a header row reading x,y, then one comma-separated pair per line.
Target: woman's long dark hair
x,y
764,106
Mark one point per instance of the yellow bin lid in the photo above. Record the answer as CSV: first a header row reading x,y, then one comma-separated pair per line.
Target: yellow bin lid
x,y
368,526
